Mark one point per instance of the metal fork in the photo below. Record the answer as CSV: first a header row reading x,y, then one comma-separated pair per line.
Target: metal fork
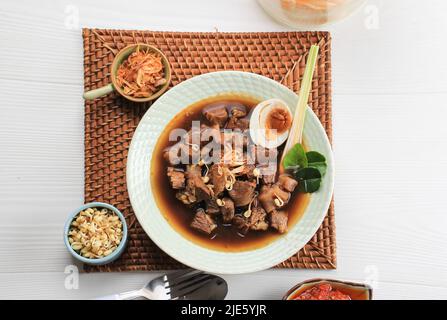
x,y
187,284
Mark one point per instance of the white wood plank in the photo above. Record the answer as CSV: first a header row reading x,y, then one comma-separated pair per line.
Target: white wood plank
x,y
262,285
404,55
42,158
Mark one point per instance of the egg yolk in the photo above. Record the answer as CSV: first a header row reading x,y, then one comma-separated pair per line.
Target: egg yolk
x,y
277,122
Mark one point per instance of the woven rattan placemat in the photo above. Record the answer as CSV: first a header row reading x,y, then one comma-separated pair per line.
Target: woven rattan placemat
x,y
111,120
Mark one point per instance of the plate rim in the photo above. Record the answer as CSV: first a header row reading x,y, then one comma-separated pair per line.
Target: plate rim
x,y
172,252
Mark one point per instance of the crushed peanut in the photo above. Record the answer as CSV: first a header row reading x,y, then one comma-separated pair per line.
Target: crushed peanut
x,y
95,233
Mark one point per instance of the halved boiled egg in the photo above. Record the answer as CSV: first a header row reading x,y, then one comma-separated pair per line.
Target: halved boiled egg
x,y
270,123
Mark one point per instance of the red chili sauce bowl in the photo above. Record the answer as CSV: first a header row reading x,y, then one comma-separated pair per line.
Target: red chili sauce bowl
x,y
325,289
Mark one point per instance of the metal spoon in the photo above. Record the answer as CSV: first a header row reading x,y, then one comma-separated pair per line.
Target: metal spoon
x,y
181,285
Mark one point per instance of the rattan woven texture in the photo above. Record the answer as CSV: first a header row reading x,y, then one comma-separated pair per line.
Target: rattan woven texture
x,y
110,121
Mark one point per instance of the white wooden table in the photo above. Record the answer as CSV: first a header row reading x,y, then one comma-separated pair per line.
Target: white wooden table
x,y
389,93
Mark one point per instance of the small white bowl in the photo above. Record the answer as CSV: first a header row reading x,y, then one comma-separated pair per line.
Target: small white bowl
x,y
101,261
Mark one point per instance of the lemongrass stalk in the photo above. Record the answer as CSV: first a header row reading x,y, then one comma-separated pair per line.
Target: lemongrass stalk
x,y
296,131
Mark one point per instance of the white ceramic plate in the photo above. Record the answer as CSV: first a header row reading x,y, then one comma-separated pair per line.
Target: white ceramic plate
x,y
152,220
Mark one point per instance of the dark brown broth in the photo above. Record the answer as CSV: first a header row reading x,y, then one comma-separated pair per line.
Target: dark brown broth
x,y
179,216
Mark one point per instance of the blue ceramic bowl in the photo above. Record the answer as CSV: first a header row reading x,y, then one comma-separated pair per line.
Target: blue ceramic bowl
x,y
111,257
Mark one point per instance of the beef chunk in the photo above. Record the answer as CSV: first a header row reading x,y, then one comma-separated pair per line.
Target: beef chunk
x,y
287,183
203,222
242,192
257,220
191,142
202,192
195,184
217,177
268,195
237,119
244,170
210,142
212,208
278,220
283,195
241,223
237,110
267,198
268,172
176,178
227,210
268,178
186,197
216,113
238,123
193,171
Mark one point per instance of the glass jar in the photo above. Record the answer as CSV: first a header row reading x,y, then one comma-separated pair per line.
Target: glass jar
x,y
298,13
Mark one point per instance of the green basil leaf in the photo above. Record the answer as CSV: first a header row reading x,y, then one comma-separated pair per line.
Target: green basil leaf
x,y
309,179
295,158
317,161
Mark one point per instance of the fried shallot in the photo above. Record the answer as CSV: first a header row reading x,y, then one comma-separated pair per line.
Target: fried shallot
x,y
141,73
